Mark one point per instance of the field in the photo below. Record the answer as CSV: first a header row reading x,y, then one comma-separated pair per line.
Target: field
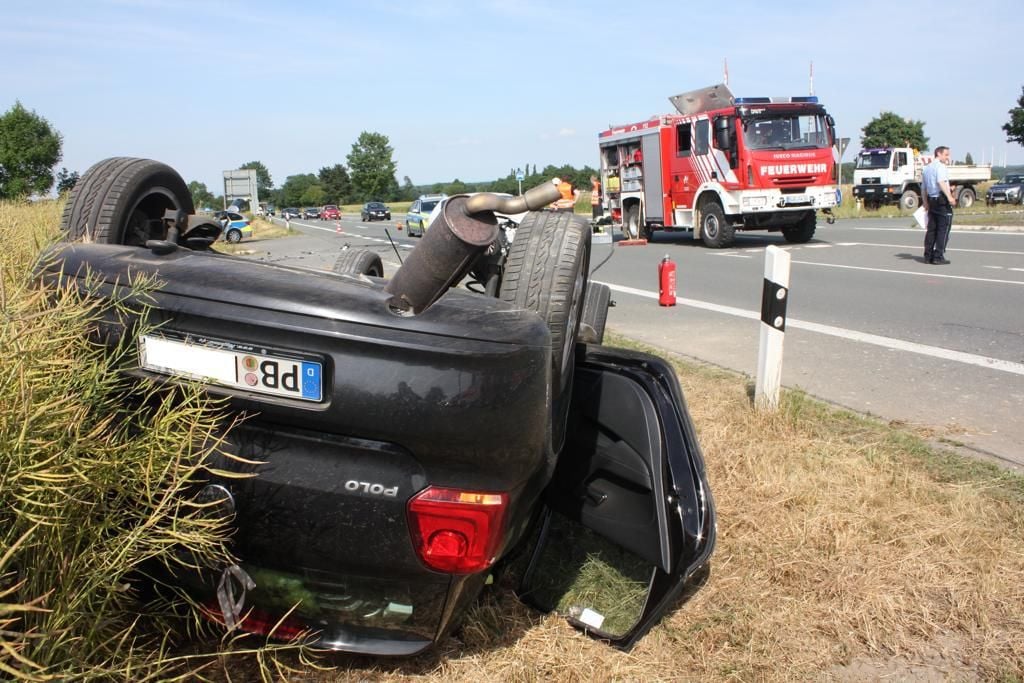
x,y
848,549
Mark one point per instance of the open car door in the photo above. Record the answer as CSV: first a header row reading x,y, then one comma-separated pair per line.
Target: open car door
x,y
629,520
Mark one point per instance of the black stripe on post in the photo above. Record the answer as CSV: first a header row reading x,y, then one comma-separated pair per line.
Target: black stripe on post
x,y
773,305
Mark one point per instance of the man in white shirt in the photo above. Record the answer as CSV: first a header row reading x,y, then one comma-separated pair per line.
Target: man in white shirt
x,y
938,201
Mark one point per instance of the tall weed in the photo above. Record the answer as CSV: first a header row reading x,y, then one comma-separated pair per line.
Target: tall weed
x,y
96,479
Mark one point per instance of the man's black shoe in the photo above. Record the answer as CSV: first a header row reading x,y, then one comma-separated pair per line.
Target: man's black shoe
x,y
940,262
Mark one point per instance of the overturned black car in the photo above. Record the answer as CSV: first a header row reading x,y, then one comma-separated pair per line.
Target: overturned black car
x,y
409,437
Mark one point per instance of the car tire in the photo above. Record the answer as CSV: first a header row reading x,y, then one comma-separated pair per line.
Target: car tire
x,y
122,200
359,262
234,236
546,272
595,313
802,231
715,231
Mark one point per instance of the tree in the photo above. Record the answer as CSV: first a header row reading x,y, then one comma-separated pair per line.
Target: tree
x,y
295,186
1015,126
263,182
408,192
969,160
372,168
336,184
456,187
29,149
202,198
891,130
66,180
313,196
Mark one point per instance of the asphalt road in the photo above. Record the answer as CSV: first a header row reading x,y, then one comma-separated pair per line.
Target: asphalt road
x,y
870,326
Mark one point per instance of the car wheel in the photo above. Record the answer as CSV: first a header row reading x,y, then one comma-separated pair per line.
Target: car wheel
x,y
546,272
122,201
234,236
802,231
359,262
715,231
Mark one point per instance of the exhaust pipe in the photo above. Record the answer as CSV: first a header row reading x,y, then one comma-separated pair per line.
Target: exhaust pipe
x,y
463,230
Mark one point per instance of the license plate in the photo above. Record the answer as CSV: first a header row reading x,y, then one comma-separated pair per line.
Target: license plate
x,y
232,364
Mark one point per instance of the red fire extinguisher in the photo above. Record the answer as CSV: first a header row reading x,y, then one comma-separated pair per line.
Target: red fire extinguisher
x,y
667,282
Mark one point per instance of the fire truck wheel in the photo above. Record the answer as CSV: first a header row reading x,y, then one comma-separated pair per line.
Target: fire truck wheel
x,y
909,200
631,226
715,230
546,272
802,231
359,262
122,201
595,313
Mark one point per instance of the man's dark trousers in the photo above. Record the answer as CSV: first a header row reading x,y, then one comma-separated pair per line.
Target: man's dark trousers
x,y
940,219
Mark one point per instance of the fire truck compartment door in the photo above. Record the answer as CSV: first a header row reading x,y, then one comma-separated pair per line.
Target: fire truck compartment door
x,y
654,206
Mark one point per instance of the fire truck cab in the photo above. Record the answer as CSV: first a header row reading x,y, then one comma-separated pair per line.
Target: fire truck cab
x,y
722,164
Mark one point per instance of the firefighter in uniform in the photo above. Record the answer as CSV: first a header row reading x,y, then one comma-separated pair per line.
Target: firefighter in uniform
x,y
595,197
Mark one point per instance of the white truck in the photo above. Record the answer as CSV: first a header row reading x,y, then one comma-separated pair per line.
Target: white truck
x,y
890,175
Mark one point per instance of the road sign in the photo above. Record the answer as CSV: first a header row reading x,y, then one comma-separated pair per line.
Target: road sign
x,y
843,142
520,176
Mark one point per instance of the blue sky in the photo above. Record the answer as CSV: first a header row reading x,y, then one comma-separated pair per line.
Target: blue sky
x,y
469,90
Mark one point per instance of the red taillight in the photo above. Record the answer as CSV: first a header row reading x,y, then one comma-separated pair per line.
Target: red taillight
x,y
457,531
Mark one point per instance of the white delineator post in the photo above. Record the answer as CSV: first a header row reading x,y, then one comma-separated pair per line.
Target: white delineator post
x,y
773,328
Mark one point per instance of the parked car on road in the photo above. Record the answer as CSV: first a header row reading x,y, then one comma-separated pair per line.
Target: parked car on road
x,y
418,217
375,211
290,213
1010,190
330,213
236,226
311,213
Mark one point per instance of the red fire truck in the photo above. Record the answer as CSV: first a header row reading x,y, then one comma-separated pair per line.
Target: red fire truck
x,y
722,164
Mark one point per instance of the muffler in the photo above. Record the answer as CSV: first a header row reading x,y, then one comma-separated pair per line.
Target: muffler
x,y
461,232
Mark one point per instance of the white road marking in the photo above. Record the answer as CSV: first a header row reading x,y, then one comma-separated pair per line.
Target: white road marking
x,y
961,232
930,273
905,246
842,333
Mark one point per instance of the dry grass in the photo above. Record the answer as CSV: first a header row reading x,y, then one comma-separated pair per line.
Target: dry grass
x,y
846,551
